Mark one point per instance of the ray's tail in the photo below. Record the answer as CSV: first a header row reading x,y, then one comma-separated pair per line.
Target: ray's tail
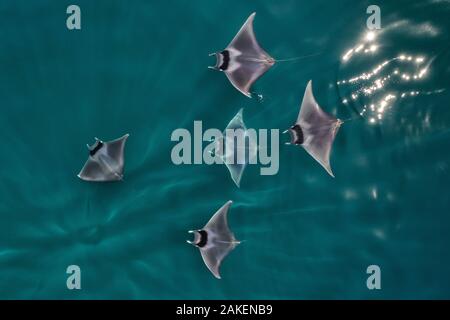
x,y
273,60
298,58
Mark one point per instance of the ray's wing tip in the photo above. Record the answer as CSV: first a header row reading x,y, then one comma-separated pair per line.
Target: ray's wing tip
x,y
228,204
216,274
329,171
309,88
86,179
236,180
83,177
241,90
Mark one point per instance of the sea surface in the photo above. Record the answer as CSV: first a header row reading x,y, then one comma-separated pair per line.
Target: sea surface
x,y
140,67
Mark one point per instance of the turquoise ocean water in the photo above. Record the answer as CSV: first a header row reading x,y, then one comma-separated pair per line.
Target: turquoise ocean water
x,y
140,67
